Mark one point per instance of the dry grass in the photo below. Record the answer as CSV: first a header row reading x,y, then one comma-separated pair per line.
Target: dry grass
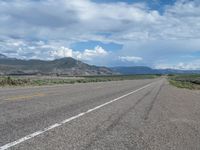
x,y
37,81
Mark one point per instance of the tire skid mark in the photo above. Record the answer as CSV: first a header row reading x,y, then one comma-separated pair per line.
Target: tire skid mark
x,y
100,132
150,107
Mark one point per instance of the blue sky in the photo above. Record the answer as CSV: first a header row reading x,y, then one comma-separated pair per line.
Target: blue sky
x,y
155,33
152,4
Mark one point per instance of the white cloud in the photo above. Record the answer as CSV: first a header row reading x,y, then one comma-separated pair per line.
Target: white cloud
x,y
87,54
82,19
62,52
16,43
194,65
96,52
130,58
48,50
142,31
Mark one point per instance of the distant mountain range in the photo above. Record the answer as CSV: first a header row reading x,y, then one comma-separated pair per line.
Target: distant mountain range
x,y
71,66
64,66
134,70
2,56
148,70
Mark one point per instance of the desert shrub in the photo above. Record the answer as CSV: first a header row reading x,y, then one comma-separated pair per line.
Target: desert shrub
x,y
8,81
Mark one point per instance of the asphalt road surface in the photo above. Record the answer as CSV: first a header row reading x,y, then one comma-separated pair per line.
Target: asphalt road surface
x,y
137,114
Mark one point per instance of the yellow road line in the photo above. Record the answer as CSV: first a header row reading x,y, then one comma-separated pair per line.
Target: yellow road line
x,y
22,97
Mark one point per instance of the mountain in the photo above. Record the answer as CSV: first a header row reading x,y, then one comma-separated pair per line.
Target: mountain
x,y
2,56
176,71
148,70
67,66
70,66
134,70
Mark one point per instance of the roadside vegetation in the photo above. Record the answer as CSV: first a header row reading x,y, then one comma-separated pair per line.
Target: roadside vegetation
x,y
191,81
37,81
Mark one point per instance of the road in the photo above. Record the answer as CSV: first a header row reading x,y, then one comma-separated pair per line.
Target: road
x,y
138,114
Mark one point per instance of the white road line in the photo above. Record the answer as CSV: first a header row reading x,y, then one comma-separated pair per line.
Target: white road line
x,y
32,135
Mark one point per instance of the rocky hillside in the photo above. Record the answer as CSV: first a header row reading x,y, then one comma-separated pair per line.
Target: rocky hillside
x,y
67,66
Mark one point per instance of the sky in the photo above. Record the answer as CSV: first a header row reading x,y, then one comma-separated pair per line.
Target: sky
x,y
154,33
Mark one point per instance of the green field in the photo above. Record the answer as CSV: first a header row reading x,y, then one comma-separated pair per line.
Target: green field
x,y
191,81
48,80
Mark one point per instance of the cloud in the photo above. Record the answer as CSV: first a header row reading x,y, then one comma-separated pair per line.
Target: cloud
x,y
62,52
82,19
97,52
31,29
49,50
130,58
194,65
